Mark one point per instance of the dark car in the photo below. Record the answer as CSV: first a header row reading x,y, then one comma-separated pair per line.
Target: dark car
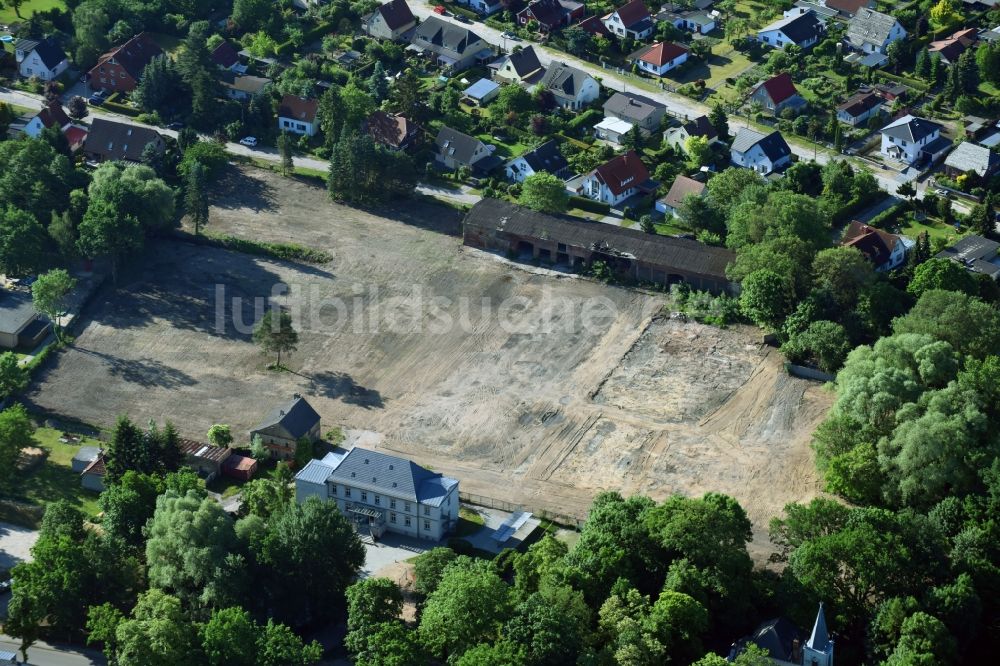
x,y
462,19
97,98
175,126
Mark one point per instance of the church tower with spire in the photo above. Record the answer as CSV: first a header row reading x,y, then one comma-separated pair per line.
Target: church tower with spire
x,y
818,650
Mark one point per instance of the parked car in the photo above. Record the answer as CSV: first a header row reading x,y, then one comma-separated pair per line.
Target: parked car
x,y
439,9
97,98
462,19
941,192
511,36
175,126
249,141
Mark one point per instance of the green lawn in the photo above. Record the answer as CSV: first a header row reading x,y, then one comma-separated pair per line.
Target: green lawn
x,y
54,479
469,522
28,7
669,227
935,229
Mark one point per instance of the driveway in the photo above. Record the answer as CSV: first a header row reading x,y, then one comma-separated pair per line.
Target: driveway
x,y
392,549
48,654
15,544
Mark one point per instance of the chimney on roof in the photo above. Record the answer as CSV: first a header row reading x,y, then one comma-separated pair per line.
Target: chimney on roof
x,y
296,396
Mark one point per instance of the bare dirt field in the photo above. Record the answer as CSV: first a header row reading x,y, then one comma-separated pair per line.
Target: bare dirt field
x,y
529,387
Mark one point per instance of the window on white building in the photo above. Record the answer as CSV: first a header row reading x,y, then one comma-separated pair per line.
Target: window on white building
x,y
427,525
378,500
427,511
392,503
347,492
392,518
406,521
407,507
364,496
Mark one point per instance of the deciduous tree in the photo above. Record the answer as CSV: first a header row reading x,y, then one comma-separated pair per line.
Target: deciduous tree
x,y
275,334
49,294
544,192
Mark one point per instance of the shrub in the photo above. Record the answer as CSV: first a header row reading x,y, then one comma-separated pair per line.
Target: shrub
x,y
583,203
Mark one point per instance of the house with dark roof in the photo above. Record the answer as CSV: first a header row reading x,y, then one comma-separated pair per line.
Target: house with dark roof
x,y
764,153
860,107
379,493
394,131
870,31
784,643
970,159
551,15
298,115
227,57
20,324
545,157
913,140
391,20
618,179
631,20
40,59
83,457
660,58
451,46
954,45
594,26
521,66
701,126
455,149
682,188
113,141
777,94
802,29
205,459
886,251
977,254
512,230
120,69
636,109
847,8
285,424
572,88
481,93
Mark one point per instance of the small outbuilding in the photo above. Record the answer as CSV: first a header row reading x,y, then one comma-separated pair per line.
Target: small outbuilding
x,y
92,477
239,467
83,458
481,92
204,459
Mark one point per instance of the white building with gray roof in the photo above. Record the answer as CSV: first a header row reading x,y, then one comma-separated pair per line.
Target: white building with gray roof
x,y
870,31
379,492
913,140
764,153
572,88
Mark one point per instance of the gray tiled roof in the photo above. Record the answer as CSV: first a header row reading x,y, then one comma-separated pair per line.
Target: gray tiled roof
x,y
746,139
972,157
630,106
296,417
563,80
315,471
773,144
911,128
16,311
546,157
446,35
460,147
799,29
399,477
869,26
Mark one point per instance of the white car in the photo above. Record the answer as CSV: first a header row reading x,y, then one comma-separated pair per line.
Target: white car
x,y
249,141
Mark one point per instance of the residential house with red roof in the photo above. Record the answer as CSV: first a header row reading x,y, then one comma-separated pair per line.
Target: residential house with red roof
x,y
120,69
631,20
777,94
54,116
953,46
392,130
886,251
594,26
551,15
226,56
298,115
660,58
391,21
618,179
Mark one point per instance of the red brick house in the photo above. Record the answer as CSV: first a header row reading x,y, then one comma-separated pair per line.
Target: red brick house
x,y
119,70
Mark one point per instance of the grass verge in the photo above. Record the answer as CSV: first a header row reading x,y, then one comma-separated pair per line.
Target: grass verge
x,y
283,251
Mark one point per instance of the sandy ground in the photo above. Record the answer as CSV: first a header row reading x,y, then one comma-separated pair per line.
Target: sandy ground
x,y
528,387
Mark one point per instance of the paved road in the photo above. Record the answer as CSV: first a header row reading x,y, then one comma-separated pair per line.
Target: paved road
x,y
47,654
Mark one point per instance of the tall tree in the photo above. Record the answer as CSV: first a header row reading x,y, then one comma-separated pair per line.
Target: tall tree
x,y
159,633
285,151
544,192
16,433
105,232
196,196
22,243
49,294
468,607
188,548
275,334
719,120
312,554
13,376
